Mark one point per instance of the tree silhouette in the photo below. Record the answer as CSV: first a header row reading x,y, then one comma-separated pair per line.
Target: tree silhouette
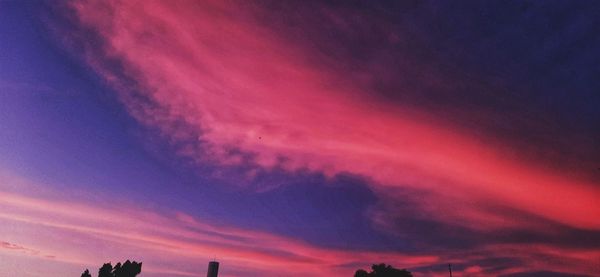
x,y
361,273
86,273
105,271
383,270
127,269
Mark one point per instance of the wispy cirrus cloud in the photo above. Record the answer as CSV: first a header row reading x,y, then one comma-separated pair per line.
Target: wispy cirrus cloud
x,y
229,90
84,231
223,86
15,247
89,232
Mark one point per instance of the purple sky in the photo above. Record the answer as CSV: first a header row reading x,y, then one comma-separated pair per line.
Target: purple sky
x,y
300,138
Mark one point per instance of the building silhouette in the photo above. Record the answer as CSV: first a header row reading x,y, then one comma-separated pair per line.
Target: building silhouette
x,y
213,269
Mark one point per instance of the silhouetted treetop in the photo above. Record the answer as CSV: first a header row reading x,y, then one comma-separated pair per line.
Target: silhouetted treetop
x,y
383,270
361,273
105,271
86,273
127,269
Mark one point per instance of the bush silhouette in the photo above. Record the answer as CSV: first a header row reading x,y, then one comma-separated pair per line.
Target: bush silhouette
x,y
383,270
127,269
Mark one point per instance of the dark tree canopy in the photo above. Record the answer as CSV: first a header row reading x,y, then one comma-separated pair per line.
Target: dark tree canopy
x,y
361,273
105,271
127,269
383,270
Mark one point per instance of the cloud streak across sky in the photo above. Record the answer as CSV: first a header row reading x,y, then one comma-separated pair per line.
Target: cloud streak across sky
x,y
212,78
171,242
247,90
172,238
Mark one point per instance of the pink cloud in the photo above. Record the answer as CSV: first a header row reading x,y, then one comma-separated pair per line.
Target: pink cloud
x,y
81,231
8,245
19,249
237,85
87,233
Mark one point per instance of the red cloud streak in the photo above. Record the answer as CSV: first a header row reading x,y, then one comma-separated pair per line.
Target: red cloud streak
x,y
240,86
91,230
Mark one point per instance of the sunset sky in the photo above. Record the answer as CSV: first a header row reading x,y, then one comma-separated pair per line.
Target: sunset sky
x,y
300,138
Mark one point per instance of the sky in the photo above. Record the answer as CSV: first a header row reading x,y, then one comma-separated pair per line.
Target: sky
x,y
300,138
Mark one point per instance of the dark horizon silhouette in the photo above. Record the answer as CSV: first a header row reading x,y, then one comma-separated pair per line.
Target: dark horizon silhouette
x,y
127,269
132,269
383,270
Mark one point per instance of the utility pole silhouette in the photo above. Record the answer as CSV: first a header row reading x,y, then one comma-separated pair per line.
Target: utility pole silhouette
x,y
213,269
450,269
